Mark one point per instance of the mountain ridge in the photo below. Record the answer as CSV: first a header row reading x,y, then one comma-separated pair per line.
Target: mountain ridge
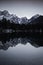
x,y
13,18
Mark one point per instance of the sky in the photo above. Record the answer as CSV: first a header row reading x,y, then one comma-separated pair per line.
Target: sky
x,y
22,8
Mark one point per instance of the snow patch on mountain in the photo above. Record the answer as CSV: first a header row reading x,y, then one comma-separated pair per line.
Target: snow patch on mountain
x,y
15,19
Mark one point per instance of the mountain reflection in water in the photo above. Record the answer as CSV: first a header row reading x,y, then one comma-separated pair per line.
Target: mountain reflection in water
x,y
21,49
13,39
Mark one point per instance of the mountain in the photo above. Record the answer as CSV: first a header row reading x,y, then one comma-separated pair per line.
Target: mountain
x,y
5,13
37,19
15,19
12,18
13,22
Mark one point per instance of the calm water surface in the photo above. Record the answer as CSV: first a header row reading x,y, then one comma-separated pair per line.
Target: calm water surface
x,y
21,51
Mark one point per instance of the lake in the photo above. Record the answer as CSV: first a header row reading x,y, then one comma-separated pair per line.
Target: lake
x,y
21,49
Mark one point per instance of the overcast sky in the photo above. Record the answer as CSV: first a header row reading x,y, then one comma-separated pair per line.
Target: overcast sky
x,y
22,8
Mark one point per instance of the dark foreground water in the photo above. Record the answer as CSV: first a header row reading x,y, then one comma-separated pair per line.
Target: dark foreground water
x,y
21,50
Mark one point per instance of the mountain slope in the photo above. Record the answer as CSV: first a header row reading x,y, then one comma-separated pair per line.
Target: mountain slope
x,y
15,19
10,21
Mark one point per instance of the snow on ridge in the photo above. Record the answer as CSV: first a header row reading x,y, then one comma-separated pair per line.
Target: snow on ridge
x,y
13,18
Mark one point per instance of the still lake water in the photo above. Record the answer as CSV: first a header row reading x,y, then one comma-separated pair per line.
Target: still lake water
x,y
21,50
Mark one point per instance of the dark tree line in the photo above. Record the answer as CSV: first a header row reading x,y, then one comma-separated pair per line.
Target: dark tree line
x,y
6,24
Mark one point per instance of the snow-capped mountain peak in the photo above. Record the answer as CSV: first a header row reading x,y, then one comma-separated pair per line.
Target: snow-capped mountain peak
x,y
15,19
5,13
